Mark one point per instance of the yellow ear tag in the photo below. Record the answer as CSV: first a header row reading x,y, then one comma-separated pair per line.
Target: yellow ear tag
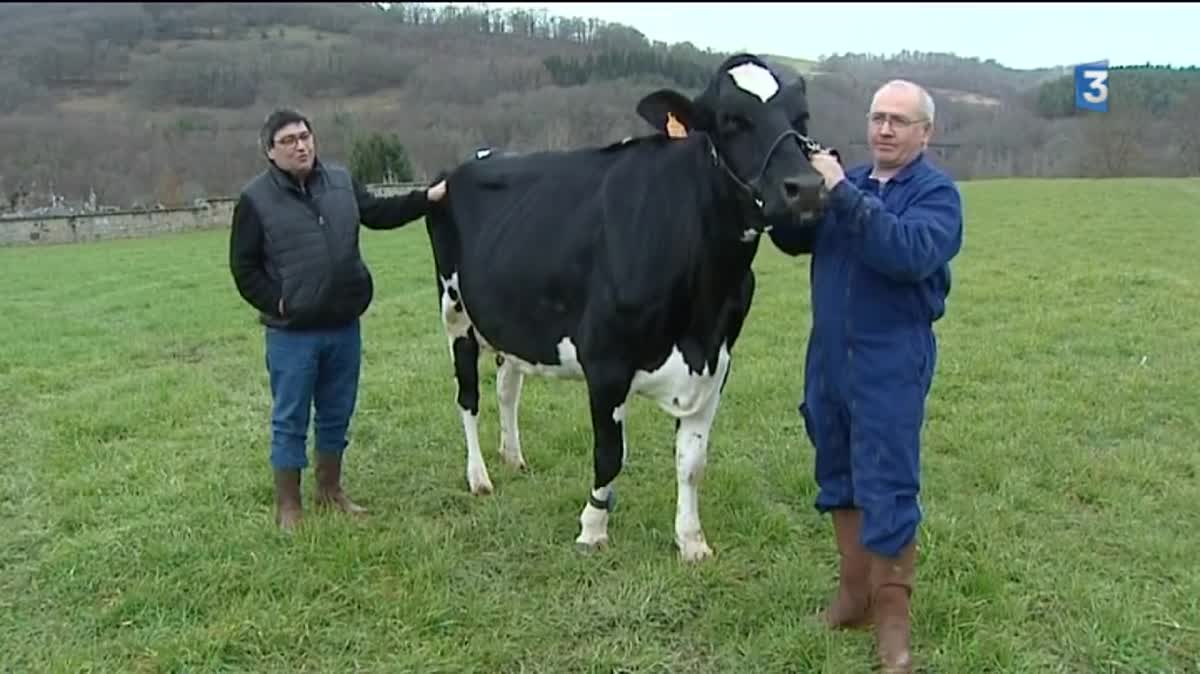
x,y
675,129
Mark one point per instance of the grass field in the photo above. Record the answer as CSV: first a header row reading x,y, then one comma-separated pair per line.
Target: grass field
x,y
1061,468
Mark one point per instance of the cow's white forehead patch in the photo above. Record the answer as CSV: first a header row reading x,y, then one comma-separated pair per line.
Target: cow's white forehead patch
x,y
755,79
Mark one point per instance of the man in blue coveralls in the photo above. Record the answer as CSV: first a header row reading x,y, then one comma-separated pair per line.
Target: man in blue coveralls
x,y
880,277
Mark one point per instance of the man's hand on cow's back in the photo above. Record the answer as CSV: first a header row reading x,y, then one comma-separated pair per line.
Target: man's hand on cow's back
x,y
436,192
829,167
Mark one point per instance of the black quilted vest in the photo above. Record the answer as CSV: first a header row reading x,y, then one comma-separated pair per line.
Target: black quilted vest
x,y
311,242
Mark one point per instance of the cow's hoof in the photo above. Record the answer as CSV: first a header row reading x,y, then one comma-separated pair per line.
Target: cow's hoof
x,y
479,482
515,462
695,551
591,546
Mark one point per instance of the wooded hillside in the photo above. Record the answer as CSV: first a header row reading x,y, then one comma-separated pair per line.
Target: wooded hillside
x,y
160,102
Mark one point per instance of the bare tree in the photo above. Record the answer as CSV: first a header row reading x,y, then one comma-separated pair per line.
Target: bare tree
x,y
1114,142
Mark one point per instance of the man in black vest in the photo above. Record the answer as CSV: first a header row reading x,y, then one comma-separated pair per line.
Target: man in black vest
x,y
294,255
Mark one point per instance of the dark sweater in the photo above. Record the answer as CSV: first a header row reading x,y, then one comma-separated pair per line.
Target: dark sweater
x,y
300,244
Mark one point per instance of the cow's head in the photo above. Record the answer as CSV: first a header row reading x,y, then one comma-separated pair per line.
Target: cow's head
x,y
757,128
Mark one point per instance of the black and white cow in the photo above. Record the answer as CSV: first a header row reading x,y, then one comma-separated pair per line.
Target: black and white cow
x,y
627,266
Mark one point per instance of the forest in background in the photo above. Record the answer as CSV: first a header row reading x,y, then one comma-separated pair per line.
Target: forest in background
x,y
160,103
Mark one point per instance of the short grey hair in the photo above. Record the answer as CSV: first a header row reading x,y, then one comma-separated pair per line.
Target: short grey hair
x,y
926,101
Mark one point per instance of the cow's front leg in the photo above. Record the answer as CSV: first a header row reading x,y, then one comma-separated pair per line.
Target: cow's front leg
x,y
508,395
691,456
608,388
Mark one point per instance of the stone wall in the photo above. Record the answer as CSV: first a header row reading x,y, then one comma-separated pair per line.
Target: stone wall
x,y
106,225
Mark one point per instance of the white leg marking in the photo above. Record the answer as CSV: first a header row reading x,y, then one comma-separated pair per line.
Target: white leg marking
x,y
457,324
691,455
477,473
508,393
593,523
618,416
693,398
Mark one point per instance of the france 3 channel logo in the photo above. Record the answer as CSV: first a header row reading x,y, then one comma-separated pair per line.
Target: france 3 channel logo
x,y
1091,86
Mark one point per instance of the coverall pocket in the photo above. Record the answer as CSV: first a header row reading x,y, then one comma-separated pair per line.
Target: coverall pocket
x,y
919,367
806,416
925,344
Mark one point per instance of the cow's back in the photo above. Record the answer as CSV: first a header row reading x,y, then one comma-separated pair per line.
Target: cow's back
x,y
553,244
540,239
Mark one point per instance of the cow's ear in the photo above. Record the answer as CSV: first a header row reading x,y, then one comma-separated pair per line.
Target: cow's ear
x,y
670,112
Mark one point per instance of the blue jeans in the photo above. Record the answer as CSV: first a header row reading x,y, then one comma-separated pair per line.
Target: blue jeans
x,y
307,369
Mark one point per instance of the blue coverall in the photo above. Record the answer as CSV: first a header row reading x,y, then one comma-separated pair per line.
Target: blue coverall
x,y
880,277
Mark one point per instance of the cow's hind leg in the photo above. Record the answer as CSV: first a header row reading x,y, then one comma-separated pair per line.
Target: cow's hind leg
x,y
691,456
608,388
466,372
464,351
508,395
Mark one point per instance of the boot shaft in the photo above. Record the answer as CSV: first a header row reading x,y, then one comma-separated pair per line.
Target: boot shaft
x,y
891,594
288,507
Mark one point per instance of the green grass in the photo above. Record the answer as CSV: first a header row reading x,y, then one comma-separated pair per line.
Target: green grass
x,y
1060,472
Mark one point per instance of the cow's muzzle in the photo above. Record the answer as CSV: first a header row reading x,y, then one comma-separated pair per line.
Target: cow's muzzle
x,y
804,196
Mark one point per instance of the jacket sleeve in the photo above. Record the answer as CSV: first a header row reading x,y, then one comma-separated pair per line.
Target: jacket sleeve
x,y
390,212
246,260
909,247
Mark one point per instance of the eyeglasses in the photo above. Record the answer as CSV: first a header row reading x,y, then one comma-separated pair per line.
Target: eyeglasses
x,y
897,121
291,139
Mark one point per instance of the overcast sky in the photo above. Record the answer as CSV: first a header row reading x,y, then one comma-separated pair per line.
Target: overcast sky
x,y
1018,35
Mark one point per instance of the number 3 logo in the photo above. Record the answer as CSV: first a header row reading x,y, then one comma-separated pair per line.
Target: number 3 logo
x,y
1091,86
1097,82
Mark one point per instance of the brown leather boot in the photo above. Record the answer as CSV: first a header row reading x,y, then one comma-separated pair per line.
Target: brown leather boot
x,y
850,607
329,485
288,509
891,592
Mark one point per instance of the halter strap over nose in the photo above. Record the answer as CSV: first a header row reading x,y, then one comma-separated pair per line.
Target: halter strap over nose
x,y
807,145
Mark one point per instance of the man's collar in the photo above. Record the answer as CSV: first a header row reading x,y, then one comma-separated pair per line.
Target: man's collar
x,y
287,179
905,173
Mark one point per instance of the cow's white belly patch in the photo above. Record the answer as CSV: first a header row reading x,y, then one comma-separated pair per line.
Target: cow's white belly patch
x,y
457,321
679,391
568,366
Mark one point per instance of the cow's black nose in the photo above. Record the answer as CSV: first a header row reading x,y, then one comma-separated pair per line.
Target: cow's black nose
x,y
802,191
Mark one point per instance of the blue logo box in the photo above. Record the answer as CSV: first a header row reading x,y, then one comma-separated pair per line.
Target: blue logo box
x,y
1091,86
